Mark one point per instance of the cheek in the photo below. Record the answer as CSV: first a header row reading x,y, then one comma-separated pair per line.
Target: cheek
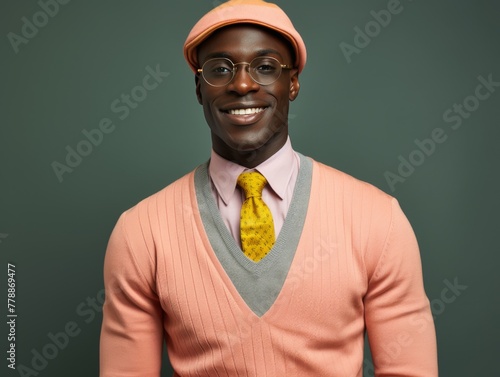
x,y
206,101
210,110
282,103
281,91
208,96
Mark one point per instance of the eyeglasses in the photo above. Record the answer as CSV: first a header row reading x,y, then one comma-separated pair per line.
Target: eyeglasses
x,y
264,70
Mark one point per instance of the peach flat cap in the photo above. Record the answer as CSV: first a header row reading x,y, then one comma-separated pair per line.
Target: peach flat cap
x,y
232,12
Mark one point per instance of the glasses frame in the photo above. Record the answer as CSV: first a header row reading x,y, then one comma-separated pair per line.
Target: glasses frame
x,y
233,71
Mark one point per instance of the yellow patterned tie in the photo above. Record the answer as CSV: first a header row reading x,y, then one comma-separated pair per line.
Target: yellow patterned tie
x,y
256,221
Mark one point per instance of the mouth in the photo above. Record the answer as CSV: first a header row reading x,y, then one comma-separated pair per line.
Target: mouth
x,y
244,111
244,115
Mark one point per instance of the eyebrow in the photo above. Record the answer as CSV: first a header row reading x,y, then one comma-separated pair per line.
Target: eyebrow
x,y
263,52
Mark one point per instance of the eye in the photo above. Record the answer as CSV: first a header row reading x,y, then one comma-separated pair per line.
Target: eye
x,y
218,67
221,70
265,66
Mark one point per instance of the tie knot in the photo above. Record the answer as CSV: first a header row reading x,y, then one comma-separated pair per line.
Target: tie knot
x,y
252,183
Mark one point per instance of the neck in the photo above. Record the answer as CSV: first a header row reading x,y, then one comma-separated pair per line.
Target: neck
x,y
249,158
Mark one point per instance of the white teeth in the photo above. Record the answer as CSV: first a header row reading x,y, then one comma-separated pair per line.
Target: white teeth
x,y
254,110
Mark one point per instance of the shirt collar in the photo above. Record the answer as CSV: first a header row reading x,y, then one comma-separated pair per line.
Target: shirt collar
x,y
277,169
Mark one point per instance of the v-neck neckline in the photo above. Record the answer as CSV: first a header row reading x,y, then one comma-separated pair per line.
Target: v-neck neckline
x,y
257,283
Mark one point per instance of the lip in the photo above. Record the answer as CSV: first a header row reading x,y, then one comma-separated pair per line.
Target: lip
x,y
243,105
245,119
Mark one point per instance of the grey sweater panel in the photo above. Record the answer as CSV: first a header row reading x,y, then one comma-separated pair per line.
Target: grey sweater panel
x,y
259,284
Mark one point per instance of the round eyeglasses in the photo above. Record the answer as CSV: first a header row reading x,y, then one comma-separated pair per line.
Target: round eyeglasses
x,y
264,70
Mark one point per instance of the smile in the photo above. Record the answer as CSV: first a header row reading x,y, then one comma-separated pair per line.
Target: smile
x,y
244,116
254,110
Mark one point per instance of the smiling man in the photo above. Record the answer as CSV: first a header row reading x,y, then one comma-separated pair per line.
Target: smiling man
x,y
262,262
246,106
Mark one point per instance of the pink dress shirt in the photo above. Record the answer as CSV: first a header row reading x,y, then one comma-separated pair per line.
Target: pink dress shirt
x,y
281,172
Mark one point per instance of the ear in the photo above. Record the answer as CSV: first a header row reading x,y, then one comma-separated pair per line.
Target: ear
x,y
294,84
197,81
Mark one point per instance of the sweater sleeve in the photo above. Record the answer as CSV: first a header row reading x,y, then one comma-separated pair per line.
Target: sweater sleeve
x,y
398,318
131,334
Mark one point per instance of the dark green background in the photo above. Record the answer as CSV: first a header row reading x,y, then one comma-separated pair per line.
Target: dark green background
x,y
358,117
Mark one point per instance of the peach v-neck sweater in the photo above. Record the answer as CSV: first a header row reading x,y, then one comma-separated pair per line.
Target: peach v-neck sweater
x,y
345,261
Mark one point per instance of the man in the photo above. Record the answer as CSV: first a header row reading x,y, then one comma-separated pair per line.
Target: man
x,y
262,262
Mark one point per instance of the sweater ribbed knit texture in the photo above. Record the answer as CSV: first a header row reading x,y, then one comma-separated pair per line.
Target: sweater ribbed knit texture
x,y
356,264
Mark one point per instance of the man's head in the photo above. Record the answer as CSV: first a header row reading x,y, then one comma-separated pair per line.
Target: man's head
x,y
247,57
256,12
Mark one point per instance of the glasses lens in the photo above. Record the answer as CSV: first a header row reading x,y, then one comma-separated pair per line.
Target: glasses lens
x,y
218,72
265,70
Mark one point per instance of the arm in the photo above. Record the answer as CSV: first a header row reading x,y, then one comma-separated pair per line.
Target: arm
x,y
132,332
397,312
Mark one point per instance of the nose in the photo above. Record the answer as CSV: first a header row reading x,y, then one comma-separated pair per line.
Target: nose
x,y
242,82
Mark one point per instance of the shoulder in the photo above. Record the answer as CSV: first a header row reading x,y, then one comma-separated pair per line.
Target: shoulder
x,y
366,212
135,237
157,199
349,187
145,217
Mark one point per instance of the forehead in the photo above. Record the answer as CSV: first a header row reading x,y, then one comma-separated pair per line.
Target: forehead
x,y
245,41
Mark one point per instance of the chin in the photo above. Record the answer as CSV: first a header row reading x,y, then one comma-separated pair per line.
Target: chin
x,y
245,146
250,141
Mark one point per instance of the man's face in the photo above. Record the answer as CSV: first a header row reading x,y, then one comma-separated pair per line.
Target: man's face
x,y
258,135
